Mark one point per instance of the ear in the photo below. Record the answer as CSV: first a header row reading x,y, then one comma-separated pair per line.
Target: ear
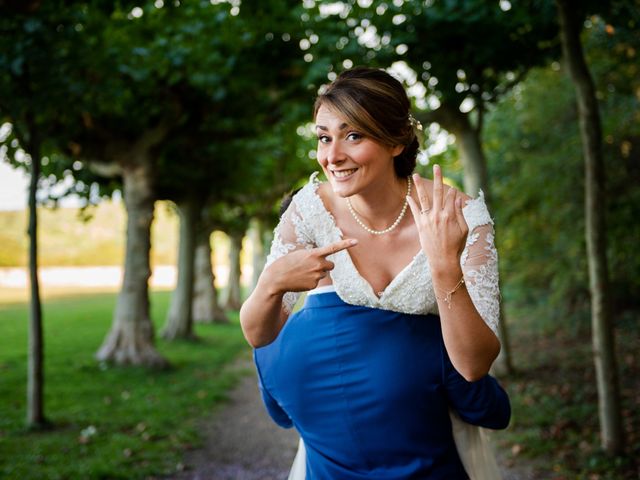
x,y
397,150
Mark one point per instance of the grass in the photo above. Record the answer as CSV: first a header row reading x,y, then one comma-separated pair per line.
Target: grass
x,y
110,423
555,424
107,422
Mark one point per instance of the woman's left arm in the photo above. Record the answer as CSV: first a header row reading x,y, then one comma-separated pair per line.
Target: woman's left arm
x,y
464,271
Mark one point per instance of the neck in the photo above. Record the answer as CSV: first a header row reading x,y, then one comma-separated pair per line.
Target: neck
x,y
380,204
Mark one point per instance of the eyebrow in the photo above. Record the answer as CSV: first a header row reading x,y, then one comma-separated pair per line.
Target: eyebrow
x,y
322,127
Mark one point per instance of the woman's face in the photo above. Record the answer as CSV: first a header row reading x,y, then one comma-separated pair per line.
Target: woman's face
x,y
351,161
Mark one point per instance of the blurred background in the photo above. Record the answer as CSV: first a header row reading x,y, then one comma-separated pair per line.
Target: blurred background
x,y
145,148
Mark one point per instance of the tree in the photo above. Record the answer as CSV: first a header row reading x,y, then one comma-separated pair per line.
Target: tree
x,y
570,19
206,308
166,59
224,142
29,95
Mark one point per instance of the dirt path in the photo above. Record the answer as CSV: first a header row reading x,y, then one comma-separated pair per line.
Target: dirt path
x,y
242,443
241,440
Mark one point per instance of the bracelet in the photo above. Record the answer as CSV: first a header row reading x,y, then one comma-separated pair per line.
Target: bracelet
x,y
449,294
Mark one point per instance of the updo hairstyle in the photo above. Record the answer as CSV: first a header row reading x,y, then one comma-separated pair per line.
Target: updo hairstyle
x,y
376,104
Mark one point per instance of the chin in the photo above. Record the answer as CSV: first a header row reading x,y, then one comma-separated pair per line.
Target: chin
x,y
341,189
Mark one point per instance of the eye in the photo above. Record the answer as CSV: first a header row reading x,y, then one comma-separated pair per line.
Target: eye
x,y
354,136
323,139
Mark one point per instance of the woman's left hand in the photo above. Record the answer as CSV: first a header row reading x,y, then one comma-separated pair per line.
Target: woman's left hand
x,y
441,224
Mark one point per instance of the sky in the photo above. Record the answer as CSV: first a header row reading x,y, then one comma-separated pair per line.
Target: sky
x,y
14,185
14,188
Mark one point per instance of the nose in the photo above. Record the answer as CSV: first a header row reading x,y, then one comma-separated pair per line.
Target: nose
x,y
335,154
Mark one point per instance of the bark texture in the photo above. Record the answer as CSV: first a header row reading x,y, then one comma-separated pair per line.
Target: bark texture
x,y
179,323
35,376
131,338
591,134
256,234
205,297
232,293
469,144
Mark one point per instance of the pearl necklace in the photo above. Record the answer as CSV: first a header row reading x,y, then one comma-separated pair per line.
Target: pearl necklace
x,y
393,225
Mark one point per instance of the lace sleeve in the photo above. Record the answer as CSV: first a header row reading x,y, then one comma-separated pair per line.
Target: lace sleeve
x,y
479,262
291,234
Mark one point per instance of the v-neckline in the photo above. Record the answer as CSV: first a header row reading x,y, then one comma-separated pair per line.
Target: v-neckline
x,y
365,282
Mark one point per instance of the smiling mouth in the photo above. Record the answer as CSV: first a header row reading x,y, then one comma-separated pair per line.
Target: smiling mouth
x,y
343,173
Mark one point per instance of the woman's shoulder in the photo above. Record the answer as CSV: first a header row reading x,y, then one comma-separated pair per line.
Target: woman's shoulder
x,y
314,195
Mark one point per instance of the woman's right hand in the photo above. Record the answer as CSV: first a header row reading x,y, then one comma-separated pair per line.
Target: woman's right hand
x,y
301,270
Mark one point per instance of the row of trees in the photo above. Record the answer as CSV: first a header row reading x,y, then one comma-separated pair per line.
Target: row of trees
x,y
197,102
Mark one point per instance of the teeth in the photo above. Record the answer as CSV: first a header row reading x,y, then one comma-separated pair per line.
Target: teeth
x,y
344,173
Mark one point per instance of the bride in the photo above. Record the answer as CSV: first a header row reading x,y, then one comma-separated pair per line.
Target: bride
x,y
384,371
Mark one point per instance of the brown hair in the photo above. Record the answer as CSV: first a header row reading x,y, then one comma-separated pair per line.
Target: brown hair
x,y
375,103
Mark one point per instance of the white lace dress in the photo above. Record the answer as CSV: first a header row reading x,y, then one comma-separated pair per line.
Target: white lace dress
x,y
308,224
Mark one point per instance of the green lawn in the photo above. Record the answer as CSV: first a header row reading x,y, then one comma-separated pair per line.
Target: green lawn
x,y
107,422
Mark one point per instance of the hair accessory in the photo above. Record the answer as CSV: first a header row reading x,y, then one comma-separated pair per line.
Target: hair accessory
x,y
393,225
415,123
419,133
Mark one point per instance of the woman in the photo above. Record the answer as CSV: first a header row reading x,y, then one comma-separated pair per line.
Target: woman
x,y
365,369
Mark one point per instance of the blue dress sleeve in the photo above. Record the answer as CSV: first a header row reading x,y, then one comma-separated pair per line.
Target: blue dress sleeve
x,y
483,402
275,410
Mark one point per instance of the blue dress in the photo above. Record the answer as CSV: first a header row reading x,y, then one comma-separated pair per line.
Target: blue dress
x,y
369,391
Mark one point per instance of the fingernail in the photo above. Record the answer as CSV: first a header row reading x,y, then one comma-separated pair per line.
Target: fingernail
x,y
353,241
436,168
415,176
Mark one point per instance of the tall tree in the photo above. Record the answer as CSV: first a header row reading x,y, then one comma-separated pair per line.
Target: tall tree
x,y
174,64
225,140
206,307
29,95
571,17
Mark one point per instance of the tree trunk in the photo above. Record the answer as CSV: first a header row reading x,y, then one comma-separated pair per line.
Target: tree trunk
x,y
205,297
469,145
601,321
131,339
179,323
473,160
476,178
35,376
232,294
257,243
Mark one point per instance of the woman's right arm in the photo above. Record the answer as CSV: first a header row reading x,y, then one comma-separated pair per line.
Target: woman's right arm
x,y
293,266
265,312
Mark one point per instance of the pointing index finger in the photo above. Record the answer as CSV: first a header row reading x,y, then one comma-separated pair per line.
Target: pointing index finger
x,y
336,246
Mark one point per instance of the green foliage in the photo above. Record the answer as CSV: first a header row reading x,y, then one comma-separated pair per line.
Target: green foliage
x,y
113,423
534,152
221,79
434,39
42,49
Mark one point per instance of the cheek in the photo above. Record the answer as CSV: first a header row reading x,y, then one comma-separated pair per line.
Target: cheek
x,y
321,156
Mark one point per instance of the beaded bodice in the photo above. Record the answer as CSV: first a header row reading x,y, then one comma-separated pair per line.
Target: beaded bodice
x,y
308,224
